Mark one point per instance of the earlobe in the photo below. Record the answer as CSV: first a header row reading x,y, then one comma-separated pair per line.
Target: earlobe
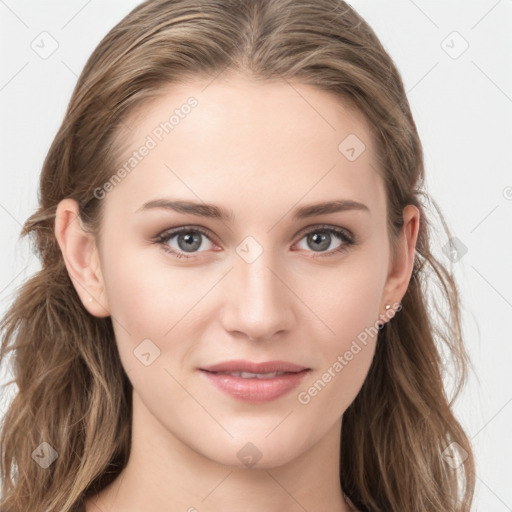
x,y
80,254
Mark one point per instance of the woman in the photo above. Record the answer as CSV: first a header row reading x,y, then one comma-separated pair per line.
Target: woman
x,y
232,311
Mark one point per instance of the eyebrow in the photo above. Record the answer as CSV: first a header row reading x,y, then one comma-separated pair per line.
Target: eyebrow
x,y
218,212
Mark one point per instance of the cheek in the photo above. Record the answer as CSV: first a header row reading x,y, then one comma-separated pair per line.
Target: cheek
x,y
136,306
346,358
330,392
349,307
350,301
146,294
156,303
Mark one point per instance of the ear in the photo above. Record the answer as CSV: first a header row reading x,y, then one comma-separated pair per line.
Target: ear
x,y
402,265
81,257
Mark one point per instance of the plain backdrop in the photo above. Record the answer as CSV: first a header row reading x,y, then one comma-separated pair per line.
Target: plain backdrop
x,y
454,57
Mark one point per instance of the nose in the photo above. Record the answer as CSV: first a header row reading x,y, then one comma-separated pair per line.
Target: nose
x,y
258,301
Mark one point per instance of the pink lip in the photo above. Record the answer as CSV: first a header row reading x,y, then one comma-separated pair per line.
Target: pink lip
x,y
241,365
254,389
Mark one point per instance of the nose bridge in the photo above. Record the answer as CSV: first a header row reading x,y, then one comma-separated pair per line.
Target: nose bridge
x,y
258,301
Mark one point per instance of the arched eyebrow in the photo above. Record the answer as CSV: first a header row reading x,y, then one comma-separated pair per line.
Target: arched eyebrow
x,y
218,212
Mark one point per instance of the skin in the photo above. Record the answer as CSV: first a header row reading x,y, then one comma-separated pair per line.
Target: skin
x,y
260,149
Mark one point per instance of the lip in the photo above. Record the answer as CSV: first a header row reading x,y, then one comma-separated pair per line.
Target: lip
x,y
255,390
241,365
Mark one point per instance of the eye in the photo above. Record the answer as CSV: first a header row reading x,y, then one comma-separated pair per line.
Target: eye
x,y
322,237
190,239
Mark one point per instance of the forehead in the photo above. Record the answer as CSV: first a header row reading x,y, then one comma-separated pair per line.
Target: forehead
x,y
246,143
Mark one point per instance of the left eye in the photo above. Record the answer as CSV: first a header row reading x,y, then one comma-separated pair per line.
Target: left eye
x,y
189,240
322,238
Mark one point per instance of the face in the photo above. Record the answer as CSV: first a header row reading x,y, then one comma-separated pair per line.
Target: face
x,y
271,279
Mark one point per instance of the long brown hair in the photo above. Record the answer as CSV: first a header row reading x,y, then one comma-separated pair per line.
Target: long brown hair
x,y
72,390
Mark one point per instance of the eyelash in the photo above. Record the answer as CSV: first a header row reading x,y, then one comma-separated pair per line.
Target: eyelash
x,y
345,235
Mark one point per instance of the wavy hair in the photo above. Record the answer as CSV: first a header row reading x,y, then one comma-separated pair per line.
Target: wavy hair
x,y
72,390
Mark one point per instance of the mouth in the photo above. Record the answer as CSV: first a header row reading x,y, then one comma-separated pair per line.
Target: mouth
x,y
250,375
265,367
255,382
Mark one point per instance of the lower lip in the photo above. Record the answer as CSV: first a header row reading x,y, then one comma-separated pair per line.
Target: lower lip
x,y
256,390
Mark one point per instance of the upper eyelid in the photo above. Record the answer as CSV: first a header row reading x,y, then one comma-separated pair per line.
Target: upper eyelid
x,y
171,232
319,227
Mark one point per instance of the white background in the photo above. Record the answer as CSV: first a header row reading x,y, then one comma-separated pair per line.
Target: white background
x,y
463,110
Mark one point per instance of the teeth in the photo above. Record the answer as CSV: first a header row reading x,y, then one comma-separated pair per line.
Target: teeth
x,y
249,375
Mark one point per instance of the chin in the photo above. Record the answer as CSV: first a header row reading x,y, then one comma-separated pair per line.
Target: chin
x,y
256,452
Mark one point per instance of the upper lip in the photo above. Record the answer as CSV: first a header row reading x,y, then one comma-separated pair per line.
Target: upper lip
x,y
252,367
